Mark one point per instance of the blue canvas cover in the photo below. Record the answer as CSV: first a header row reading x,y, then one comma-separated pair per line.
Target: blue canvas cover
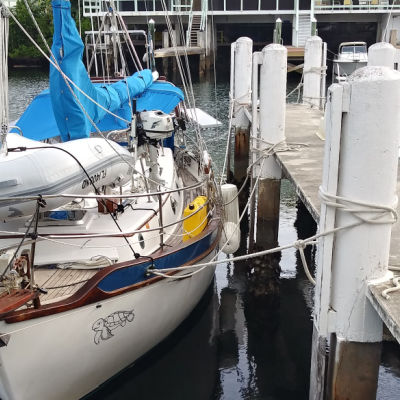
x,y
68,50
57,113
39,123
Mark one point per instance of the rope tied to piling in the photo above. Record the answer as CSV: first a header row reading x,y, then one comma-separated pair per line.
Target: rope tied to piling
x,y
238,101
381,214
238,104
315,70
376,214
339,202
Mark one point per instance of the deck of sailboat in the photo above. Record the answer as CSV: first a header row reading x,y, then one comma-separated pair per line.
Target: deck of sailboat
x,y
61,283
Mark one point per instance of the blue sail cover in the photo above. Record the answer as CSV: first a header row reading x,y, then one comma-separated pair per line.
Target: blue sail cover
x,y
39,123
68,50
57,113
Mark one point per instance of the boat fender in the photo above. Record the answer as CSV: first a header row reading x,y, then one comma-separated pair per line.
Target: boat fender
x,y
194,225
231,230
230,238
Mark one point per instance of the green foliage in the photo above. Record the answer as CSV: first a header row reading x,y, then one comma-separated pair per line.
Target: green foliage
x,y
19,45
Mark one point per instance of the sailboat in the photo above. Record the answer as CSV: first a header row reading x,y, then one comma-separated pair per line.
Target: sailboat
x,y
110,224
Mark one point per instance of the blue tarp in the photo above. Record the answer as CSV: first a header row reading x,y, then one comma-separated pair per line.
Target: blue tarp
x,y
58,113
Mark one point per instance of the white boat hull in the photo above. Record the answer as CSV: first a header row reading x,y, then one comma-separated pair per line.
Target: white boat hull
x,y
67,355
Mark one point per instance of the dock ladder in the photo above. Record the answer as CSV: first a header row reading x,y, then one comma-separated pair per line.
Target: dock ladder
x,y
197,21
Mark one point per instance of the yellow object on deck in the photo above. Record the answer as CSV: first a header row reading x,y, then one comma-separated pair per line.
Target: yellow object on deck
x,y
194,225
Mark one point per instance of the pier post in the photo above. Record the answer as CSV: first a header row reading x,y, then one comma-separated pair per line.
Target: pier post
x,y
201,42
241,95
312,71
165,45
352,257
273,76
278,31
174,42
210,41
381,54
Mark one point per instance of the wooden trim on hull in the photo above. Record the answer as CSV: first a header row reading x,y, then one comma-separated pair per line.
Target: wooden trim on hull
x,y
90,293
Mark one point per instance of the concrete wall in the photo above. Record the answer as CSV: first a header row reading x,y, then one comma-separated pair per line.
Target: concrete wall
x,y
388,24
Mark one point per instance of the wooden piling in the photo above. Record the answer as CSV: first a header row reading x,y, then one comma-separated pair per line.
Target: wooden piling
x,y
202,66
268,206
241,93
241,157
355,376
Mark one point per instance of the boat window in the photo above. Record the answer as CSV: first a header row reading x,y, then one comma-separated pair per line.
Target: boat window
x,y
360,49
347,49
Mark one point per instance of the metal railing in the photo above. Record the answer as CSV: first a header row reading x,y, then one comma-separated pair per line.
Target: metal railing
x,y
183,7
356,5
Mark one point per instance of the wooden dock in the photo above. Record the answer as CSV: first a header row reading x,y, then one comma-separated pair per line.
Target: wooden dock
x,y
294,53
181,50
303,168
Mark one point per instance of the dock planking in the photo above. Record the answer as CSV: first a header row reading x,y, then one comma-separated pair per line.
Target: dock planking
x,y
303,167
180,50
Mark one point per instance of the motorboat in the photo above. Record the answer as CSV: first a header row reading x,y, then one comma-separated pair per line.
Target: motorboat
x,y
351,56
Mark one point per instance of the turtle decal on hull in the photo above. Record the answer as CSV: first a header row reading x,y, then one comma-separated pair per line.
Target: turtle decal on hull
x,y
104,327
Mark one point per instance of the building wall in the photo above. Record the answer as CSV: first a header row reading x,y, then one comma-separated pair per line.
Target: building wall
x,y
389,23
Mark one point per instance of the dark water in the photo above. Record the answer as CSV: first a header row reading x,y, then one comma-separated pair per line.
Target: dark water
x,y
240,342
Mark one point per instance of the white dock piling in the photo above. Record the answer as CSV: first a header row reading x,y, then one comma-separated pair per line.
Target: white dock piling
x,y
381,54
349,259
273,77
241,58
242,80
312,71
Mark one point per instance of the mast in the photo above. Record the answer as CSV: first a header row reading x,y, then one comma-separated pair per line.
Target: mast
x,y
3,78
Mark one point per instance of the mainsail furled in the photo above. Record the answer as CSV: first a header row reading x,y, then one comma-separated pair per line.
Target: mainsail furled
x,y
67,48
